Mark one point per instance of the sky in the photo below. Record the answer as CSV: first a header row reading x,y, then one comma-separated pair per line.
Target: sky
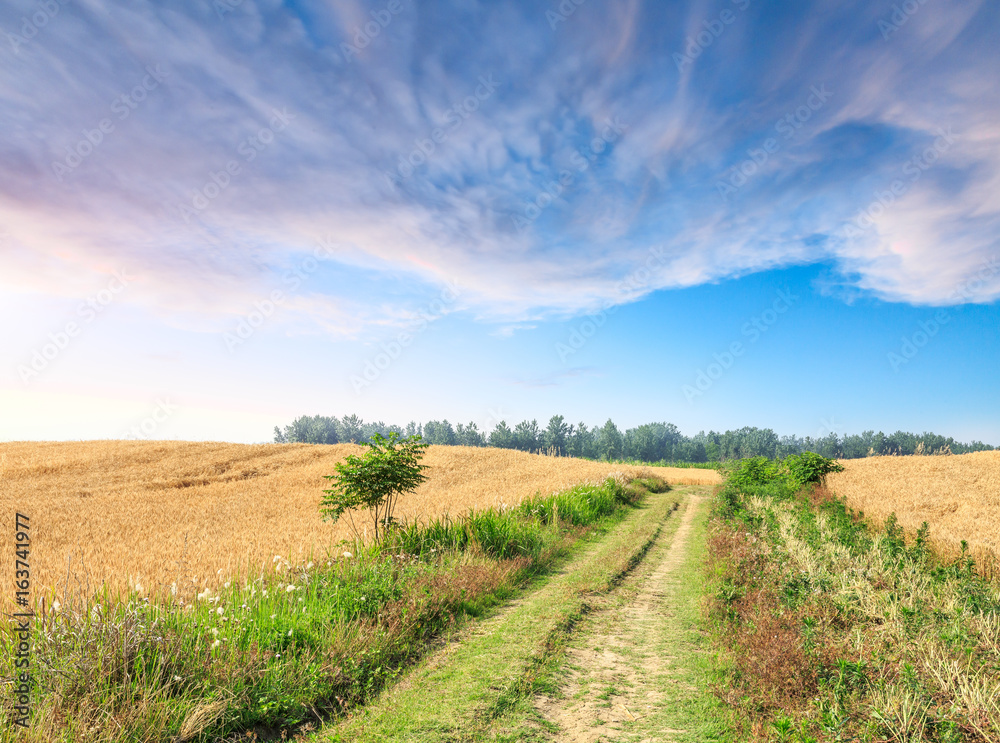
x,y
219,215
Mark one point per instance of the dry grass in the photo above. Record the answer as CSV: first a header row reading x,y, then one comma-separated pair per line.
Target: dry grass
x,y
121,513
959,496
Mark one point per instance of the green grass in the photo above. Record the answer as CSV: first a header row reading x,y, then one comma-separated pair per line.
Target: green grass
x,y
300,643
644,624
837,629
714,465
687,704
480,688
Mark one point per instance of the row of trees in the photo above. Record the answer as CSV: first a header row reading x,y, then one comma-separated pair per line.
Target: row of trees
x,y
650,442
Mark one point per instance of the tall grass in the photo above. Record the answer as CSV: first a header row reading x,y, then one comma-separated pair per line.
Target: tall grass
x,y
836,628
299,642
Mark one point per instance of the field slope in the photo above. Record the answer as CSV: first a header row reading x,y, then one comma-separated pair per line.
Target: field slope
x,y
153,513
958,496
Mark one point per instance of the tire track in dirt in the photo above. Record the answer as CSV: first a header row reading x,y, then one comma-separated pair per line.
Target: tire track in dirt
x,y
622,666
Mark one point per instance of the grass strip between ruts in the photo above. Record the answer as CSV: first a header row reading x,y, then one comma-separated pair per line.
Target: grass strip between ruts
x,y
463,691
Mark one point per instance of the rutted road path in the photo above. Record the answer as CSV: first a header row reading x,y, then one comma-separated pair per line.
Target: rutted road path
x,y
577,657
634,670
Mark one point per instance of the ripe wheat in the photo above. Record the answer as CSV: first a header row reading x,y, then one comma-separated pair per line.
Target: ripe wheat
x,y
958,496
119,514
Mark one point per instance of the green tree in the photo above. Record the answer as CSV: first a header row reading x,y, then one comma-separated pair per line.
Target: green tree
x,y
375,480
502,437
581,441
440,433
316,429
468,435
611,442
350,429
526,436
555,435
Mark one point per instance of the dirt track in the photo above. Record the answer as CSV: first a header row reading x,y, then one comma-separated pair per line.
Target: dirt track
x,y
629,660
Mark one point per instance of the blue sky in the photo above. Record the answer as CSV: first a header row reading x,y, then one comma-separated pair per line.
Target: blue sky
x,y
219,216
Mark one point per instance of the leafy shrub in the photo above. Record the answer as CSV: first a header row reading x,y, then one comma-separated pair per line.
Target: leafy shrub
x,y
810,468
795,470
752,471
375,480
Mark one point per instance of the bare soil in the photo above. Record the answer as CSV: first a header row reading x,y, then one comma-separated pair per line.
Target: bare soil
x,y
620,668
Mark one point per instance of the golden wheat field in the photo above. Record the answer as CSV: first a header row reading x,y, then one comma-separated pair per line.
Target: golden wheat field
x,y
958,496
151,513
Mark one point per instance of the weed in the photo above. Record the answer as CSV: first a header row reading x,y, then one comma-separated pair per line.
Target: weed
x,y
837,629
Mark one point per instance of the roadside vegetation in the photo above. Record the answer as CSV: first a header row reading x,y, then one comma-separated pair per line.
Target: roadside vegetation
x,y
835,628
483,685
299,643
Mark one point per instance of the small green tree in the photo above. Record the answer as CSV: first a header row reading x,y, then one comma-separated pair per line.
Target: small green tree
x,y
809,468
375,480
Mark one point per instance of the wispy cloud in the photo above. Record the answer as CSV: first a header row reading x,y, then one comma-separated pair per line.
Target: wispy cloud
x,y
198,192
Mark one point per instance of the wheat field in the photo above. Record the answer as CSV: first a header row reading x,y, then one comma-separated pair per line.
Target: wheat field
x,y
958,496
121,514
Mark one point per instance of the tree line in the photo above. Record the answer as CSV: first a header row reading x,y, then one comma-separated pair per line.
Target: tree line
x,y
650,442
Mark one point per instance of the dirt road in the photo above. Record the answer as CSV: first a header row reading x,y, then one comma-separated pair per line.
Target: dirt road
x,y
635,669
